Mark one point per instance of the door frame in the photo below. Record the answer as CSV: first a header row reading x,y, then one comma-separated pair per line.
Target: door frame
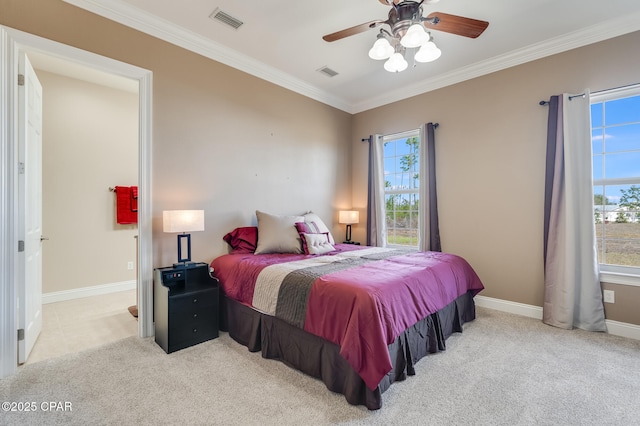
x,y
11,42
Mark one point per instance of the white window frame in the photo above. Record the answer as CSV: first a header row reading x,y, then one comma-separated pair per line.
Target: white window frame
x,y
393,137
617,274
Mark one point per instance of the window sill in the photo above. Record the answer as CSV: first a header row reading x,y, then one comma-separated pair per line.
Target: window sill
x,y
619,278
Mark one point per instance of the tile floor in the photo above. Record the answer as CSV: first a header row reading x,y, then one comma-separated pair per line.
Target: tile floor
x,y
79,324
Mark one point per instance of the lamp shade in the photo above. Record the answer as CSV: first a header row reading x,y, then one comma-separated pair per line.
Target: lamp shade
x,y
396,63
428,52
182,220
381,49
415,36
349,216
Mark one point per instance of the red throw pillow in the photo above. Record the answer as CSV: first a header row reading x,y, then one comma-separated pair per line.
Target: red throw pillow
x,y
243,239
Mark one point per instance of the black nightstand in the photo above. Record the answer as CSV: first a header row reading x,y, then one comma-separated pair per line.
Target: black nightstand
x,y
351,242
185,305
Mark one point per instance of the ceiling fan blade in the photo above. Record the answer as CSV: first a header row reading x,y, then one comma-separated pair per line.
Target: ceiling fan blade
x,y
454,24
388,2
352,31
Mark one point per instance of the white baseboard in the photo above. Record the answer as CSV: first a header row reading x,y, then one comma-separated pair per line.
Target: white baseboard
x,y
508,306
622,329
77,293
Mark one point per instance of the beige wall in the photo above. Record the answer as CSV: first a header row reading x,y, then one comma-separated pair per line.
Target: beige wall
x,y
230,143
491,160
223,141
90,143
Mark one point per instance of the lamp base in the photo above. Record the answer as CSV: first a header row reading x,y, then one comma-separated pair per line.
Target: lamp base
x,y
347,236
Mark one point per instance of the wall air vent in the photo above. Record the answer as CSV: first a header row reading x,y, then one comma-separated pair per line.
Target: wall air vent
x,y
327,71
225,18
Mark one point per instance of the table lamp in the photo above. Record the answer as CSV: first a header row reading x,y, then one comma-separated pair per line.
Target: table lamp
x,y
348,217
183,221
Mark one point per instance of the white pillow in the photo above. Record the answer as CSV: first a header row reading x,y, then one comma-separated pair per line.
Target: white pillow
x,y
317,243
312,217
278,234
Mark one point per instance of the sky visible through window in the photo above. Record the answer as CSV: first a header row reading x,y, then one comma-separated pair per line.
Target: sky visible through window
x,y
615,132
400,164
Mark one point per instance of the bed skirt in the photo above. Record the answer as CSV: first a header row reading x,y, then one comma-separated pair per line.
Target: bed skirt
x,y
320,358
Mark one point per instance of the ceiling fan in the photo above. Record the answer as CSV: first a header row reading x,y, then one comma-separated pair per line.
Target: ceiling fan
x,y
408,30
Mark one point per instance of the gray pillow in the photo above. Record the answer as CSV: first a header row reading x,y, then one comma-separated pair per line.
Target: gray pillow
x,y
278,234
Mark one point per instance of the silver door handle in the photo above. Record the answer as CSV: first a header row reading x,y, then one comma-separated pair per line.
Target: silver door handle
x,y
44,238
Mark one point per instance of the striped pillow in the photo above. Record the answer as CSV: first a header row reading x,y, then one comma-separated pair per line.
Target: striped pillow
x,y
314,241
312,217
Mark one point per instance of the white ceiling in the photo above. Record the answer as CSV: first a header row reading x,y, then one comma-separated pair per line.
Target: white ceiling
x,y
281,41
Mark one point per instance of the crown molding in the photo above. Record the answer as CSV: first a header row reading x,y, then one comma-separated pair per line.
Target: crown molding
x,y
137,19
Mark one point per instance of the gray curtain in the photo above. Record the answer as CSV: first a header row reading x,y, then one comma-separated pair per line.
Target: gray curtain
x,y
429,229
375,194
572,293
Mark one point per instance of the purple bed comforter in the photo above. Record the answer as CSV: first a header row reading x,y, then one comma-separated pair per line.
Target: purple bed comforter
x,y
360,298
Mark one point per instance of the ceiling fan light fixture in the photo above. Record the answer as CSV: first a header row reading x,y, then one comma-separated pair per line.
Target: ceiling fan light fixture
x,y
407,28
396,63
415,36
381,49
428,52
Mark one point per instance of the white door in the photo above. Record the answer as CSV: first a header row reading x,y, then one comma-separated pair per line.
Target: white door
x,y
29,208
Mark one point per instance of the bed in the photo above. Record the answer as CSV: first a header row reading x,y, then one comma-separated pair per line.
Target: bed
x,y
356,317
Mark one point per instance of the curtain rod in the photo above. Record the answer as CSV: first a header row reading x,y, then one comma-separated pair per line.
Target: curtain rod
x,y
435,126
582,95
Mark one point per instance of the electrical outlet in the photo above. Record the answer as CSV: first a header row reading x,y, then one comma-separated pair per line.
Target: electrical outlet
x,y
130,266
609,296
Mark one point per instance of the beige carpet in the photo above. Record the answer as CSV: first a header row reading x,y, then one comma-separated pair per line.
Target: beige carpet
x,y
504,369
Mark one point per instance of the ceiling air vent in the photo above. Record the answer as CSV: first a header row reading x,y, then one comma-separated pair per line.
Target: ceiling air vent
x,y
327,71
225,18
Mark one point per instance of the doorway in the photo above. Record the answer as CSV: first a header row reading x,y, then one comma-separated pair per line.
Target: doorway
x,y
13,41
90,145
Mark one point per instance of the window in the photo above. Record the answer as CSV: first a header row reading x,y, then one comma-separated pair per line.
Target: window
x,y
615,138
401,188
